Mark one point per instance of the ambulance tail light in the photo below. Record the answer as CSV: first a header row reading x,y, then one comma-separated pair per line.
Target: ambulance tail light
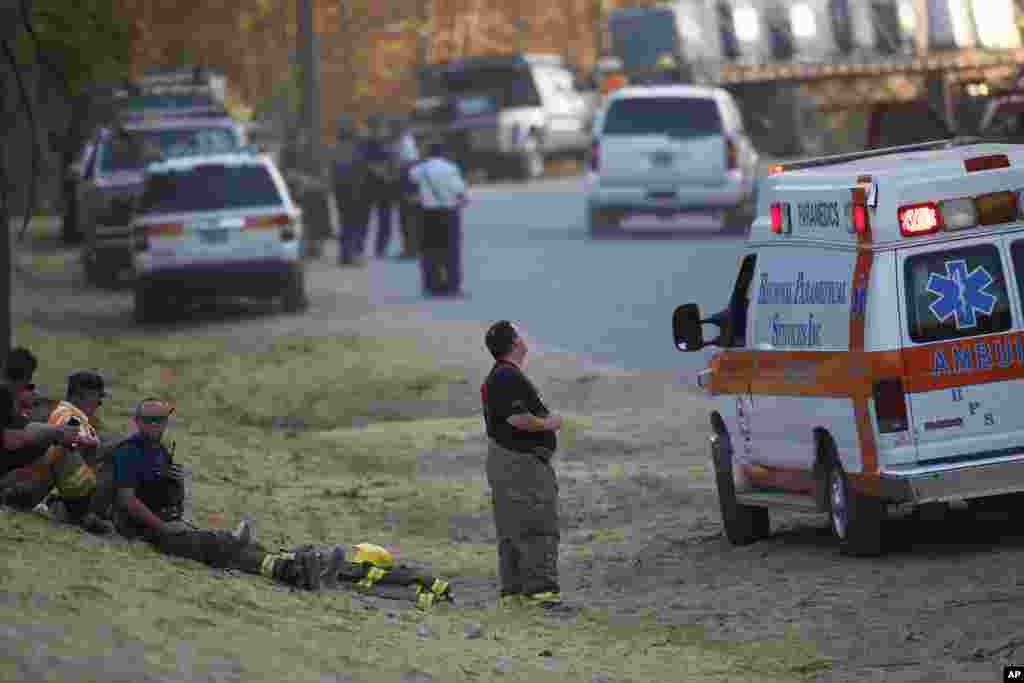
x,y
890,406
919,219
780,219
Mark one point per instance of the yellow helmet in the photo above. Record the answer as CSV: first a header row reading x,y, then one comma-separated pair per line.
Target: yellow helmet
x,y
373,554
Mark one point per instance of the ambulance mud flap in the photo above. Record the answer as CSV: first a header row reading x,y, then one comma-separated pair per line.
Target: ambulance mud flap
x,y
744,524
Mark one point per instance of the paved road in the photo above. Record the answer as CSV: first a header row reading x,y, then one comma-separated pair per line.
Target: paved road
x,y
528,257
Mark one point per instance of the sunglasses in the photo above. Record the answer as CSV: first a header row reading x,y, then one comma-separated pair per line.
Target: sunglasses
x,y
153,420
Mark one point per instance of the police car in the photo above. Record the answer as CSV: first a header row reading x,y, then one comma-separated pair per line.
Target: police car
x,y
213,226
872,354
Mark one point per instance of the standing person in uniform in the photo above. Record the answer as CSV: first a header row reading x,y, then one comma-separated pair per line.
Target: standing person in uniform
x,y
348,176
382,181
522,439
408,210
442,193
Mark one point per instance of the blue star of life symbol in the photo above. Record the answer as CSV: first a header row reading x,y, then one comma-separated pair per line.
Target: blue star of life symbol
x,y
961,294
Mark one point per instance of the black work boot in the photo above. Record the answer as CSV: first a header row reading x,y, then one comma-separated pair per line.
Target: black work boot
x,y
300,569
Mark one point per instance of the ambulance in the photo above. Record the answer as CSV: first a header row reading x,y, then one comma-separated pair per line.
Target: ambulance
x,y
872,351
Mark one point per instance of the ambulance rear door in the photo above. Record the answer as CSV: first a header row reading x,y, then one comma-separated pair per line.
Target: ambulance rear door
x,y
961,323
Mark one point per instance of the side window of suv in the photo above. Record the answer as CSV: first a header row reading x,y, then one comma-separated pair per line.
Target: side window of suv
x,y
956,293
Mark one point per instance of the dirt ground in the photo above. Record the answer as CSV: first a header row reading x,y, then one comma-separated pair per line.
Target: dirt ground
x,y
641,529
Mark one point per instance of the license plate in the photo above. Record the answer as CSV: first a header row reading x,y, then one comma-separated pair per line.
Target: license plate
x,y
218,236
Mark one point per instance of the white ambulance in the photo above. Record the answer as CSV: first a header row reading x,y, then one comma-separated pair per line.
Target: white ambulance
x,y
872,353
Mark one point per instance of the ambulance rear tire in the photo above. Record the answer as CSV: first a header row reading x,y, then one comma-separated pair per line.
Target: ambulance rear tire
x,y
856,520
744,524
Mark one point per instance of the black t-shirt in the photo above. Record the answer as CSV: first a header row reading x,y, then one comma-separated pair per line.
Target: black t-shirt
x,y
507,392
13,459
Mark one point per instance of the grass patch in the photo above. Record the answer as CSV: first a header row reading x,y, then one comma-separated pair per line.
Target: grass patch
x,y
346,472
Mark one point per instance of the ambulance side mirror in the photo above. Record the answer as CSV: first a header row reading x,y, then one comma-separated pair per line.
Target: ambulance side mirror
x,y
686,328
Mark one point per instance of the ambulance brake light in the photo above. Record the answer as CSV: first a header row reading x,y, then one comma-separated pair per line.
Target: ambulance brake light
x,y
919,219
860,218
780,219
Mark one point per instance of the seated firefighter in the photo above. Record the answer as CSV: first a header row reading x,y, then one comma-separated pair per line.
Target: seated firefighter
x,y
148,504
68,466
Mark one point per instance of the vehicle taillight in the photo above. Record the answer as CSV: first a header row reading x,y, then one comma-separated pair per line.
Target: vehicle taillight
x,y
890,406
595,157
157,230
780,219
919,219
731,155
267,222
776,169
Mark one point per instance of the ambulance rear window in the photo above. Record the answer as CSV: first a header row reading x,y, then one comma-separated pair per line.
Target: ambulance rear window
x,y
956,293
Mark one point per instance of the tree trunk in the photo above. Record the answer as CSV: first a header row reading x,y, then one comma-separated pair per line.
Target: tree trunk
x,y
6,124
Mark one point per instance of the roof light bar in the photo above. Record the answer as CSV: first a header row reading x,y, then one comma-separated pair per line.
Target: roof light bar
x,y
919,219
986,163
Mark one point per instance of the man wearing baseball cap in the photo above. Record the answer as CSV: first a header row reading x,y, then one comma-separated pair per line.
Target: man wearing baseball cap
x,y
521,442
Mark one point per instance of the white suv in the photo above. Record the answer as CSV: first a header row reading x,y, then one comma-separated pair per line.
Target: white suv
x,y
668,150
212,226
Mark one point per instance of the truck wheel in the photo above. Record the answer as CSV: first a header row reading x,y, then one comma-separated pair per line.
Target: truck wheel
x,y
143,304
531,159
293,298
70,235
601,222
744,524
856,520
95,272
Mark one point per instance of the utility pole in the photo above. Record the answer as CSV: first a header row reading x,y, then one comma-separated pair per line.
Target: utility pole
x,y
309,64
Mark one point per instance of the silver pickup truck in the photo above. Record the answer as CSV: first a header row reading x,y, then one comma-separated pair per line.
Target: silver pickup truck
x,y
504,115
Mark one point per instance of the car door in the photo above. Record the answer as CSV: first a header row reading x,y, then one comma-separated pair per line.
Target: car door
x,y
962,355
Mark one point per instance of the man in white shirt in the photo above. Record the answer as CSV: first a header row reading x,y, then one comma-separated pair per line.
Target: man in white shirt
x,y
442,195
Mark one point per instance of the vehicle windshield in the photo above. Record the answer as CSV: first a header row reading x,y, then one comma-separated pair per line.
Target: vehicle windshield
x,y
639,38
677,117
171,101
480,88
209,187
126,152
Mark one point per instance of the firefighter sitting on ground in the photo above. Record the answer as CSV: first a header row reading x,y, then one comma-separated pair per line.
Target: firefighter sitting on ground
x,y
149,500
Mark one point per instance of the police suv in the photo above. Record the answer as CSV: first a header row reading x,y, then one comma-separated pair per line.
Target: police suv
x,y
872,353
214,226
